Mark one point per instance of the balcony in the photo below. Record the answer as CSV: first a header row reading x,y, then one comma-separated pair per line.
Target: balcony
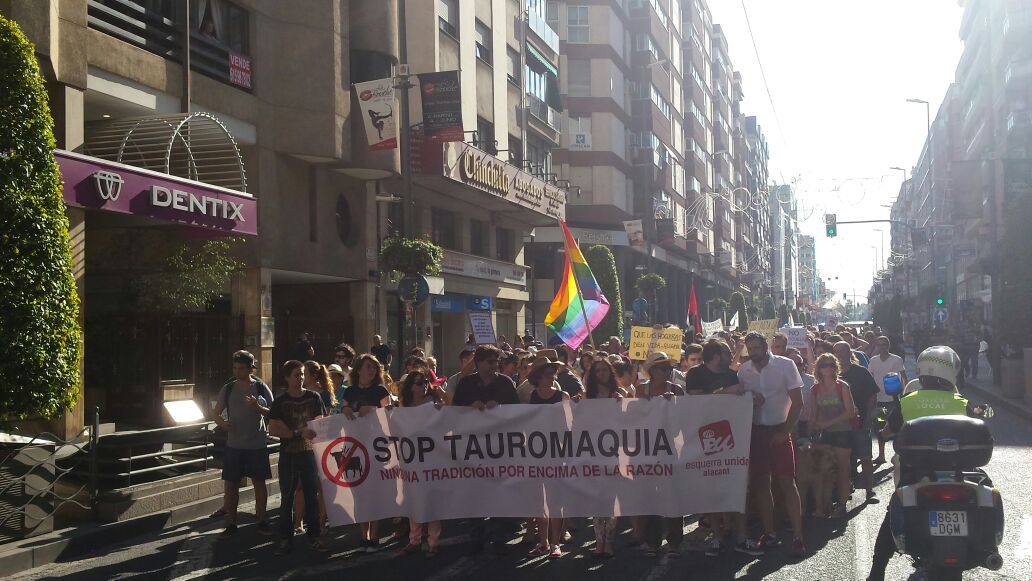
x,y
544,32
548,118
158,31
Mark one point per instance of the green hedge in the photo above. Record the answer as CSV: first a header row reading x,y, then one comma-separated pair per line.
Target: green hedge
x,y
39,307
603,265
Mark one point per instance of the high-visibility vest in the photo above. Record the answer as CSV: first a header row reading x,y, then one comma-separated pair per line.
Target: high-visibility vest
x,y
932,402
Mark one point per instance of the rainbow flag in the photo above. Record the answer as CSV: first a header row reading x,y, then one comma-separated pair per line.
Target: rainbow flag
x,y
573,311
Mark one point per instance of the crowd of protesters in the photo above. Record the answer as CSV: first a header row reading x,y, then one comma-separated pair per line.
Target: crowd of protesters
x,y
816,408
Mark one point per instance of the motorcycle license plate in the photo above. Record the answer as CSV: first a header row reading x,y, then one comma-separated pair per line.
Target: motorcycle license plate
x,y
948,523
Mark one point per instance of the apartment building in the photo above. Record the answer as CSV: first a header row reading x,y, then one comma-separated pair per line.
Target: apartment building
x,y
255,142
975,158
809,293
507,56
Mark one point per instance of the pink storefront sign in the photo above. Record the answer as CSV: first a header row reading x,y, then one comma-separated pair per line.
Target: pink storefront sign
x,y
99,184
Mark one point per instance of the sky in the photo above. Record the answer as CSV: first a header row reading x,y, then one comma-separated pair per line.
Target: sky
x,y
839,75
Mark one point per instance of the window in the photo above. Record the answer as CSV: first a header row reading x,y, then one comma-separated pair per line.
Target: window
x,y
483,41
514,65
577,24
579,77
443,228
536,83
552,14
580,132
485,136
478,242
539,157
515,151
448,16
222,22
505,244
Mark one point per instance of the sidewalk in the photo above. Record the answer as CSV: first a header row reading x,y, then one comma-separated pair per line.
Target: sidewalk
x,y
983,387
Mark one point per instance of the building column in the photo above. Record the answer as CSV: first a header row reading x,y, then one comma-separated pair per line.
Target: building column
x,y
68,109
251,296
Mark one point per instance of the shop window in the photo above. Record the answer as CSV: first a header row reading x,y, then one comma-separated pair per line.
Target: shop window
x,y
505,244
478,240
443,228
482,33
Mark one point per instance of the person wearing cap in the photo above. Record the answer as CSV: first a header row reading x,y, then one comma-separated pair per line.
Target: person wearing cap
x,y
659,366
339,379
245,401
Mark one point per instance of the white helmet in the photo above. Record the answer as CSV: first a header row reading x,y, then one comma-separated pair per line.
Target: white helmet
x,y
939,361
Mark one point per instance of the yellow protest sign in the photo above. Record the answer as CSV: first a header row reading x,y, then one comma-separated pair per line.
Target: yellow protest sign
x,y
648,340
768,327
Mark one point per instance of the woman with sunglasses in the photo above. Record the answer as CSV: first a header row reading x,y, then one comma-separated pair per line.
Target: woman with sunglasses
x,y
417,390
831,421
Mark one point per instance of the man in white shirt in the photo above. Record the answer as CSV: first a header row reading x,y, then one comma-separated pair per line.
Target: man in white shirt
x,y
777,389
884,363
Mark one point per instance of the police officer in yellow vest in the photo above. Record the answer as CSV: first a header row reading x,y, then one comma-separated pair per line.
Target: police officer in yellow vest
x,y
933,393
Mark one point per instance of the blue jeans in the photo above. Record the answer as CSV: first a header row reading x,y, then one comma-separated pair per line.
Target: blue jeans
x,y
295,467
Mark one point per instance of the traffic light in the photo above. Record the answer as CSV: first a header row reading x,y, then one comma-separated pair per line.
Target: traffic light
x,y
939,300
831,225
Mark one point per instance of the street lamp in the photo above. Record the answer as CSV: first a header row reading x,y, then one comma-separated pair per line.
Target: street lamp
x,y
928,111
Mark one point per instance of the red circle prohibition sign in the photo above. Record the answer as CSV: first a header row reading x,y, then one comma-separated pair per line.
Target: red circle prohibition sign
x,y
352,457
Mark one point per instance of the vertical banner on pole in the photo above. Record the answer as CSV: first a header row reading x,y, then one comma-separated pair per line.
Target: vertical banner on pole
x,y
376,99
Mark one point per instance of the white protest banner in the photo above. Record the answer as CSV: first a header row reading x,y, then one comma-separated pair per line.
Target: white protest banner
x,y
376,99
796,337
765,326
592,458
708,329
483,328
733,323
648,340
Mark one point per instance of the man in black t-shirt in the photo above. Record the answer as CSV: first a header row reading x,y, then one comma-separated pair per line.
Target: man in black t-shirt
x,y
288,420
484,390
715,372
381,351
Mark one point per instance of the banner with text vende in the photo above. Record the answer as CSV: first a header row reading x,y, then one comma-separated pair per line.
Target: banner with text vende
x,y
591,458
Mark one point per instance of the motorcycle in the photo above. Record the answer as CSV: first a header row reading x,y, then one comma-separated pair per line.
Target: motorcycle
x,y
945,513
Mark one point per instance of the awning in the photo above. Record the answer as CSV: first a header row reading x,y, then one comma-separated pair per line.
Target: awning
x,y
540,58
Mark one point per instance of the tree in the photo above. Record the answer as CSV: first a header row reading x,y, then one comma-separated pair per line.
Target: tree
x,y
191,275
411,256
1014,317
603,265
649,286
737,305
39,320
718,307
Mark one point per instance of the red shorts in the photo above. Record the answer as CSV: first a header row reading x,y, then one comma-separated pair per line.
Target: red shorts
x,y
768,457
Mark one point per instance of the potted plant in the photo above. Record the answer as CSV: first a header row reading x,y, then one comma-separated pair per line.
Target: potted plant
x,y
411,256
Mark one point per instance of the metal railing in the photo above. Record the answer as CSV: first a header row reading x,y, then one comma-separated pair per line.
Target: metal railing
x,y
43,476
543,111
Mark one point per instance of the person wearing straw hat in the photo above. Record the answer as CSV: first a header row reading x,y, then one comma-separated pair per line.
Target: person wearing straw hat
x,y
660,367
545,356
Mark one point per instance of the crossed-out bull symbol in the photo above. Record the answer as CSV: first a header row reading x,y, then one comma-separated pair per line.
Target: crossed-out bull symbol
x,y
353,465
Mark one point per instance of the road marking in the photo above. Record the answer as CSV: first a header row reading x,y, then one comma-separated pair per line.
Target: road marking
x,y
1024,550
862,555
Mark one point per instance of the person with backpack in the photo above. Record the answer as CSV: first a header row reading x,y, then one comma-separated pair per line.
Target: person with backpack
x,y
241,410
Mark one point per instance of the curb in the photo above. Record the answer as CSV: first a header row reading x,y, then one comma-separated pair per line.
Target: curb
x,y
1017,407
69,543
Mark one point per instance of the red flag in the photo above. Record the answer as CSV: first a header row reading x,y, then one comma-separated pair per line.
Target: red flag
x,y
693,310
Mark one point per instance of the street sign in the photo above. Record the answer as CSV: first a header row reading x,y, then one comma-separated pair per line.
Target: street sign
x,y
940,315
414,288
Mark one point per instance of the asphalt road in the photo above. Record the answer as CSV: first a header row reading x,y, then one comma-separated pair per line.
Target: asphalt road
x,y
840,549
